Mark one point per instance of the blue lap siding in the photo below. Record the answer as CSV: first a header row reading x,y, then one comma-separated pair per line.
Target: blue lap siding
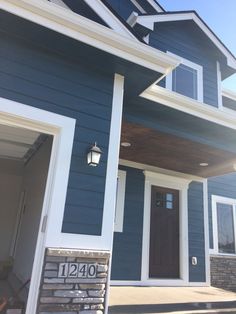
x,y
184,39
127,247
41,78
196,232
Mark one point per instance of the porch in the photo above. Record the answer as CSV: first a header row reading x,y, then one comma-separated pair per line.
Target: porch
x,y
128,300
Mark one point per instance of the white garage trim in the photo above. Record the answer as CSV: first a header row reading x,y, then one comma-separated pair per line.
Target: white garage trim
x,y
62,128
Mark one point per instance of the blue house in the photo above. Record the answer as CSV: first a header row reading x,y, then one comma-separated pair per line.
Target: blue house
x,y
118,152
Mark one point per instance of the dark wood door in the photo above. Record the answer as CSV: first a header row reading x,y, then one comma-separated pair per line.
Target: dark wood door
x,y
164,233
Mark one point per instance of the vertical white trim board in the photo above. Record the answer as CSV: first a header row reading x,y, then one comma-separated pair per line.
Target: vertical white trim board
x,y
206,232
120,201
62,128
112,171
180,184
55,237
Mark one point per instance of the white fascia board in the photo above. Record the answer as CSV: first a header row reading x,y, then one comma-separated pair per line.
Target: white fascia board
x,y
84,30
155,5
193,107
106,15
150,20
229,93
60,3
138,6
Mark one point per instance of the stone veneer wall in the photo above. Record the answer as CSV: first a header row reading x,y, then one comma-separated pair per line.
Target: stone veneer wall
x,y
66,295
223,272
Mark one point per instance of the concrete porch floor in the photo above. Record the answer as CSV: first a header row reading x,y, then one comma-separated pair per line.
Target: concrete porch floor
x,y
152,300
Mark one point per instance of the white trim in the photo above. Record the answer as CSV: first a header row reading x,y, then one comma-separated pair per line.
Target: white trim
x,y
120,201
206,232
113,160
82,29
103,241
150,20
219,84
223,200
105,14
201,110
62,128
112,171
172,173
155,5
229,93
190,64
181,185
60,3
138,6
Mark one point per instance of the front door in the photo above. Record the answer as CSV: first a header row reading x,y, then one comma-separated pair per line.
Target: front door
x,y
164,234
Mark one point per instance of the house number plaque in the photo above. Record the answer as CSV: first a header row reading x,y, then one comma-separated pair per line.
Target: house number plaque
x,y
77,270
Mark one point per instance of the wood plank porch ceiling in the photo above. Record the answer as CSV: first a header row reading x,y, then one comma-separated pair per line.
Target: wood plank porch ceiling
x,y
170,152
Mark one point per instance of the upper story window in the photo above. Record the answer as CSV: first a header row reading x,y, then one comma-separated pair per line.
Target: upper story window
x,y
224,226
186,79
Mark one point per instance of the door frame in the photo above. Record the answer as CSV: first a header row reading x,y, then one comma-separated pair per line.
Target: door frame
x,y
177,183
62,129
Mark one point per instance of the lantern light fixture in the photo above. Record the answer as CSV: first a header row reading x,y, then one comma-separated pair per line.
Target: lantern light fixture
x,y
94,155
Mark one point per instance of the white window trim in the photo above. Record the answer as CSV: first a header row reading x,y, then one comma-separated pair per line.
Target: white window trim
x,y
120,201
224,200
194,66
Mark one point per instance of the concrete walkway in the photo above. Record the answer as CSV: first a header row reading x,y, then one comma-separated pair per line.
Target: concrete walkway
x,y
152,300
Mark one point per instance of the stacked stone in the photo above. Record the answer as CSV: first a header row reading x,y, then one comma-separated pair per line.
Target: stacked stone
x,y
73,295
223,272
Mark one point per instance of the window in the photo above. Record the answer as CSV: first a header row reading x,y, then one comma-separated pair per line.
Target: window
x,y
164,200
120,201
224,226
186,80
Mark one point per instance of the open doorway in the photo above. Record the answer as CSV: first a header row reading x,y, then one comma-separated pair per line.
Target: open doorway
x,y
24,163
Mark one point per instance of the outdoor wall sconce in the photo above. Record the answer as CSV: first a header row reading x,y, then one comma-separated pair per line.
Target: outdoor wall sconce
x,y
94,155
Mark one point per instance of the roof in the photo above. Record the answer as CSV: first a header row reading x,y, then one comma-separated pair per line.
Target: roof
x,y
84,30
150,20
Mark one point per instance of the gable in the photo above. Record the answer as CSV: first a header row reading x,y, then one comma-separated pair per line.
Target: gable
x,y
173,17
98,11
82,8
127,7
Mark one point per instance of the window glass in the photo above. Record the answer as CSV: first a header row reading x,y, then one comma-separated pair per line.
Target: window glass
x,y
226,242
184,81
164,200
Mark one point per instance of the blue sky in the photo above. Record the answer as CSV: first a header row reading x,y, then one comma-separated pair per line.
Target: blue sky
x,y
220,15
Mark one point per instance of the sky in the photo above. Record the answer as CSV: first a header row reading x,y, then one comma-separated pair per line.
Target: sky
x,y
220,16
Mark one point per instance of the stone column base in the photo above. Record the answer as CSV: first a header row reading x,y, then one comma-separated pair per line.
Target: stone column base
x,y
223,272
73,282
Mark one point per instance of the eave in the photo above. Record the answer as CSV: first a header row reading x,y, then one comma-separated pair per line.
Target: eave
x,y
84,30
193,107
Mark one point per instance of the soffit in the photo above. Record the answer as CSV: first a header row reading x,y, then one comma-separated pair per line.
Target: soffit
x,y
163,150
15,143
